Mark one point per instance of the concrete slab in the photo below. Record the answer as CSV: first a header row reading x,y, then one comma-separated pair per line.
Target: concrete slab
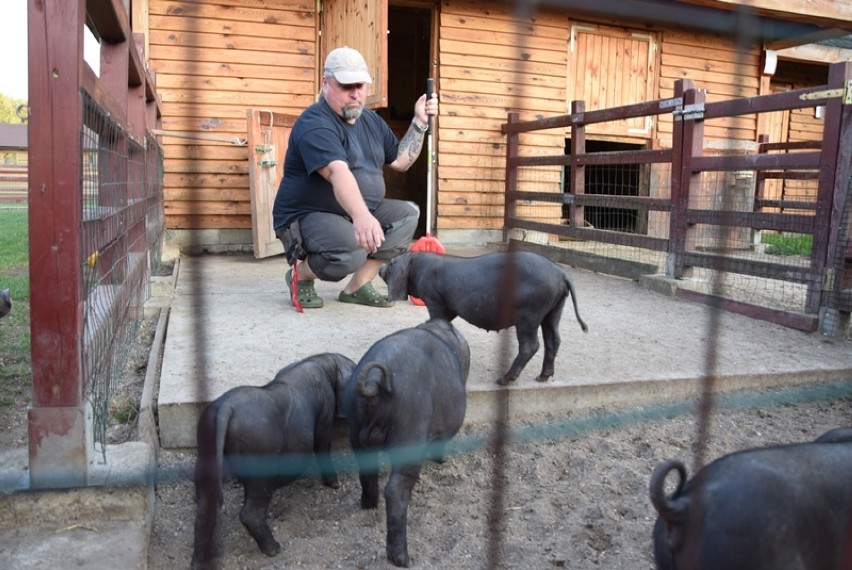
x,y
89,528
231,323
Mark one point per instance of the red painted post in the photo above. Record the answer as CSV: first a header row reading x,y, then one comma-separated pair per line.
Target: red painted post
x,y
59,423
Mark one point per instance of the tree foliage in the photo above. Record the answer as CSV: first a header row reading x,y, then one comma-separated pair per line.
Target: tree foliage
x,y
7,110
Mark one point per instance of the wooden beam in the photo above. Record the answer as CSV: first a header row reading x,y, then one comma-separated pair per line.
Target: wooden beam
x,y
826,13
816,53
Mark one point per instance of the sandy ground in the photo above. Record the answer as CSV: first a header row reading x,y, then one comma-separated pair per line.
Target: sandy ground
x,y
576,493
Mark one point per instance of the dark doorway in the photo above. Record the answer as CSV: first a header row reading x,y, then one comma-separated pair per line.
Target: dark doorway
x,y
409,59
610,180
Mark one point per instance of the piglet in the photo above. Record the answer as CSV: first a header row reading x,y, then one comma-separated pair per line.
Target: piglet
x,y
493,292
406,397
787,507
266,437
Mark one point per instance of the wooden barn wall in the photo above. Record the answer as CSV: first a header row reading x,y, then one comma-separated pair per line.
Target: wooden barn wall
x,y
492,63
213,60
714,64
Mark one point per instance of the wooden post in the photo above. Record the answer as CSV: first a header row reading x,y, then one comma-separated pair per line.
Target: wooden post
x,y
59,420
687,141
831,233
577,183
512,151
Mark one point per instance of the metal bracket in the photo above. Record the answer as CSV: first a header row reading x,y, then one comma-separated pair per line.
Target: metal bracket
x,y
844,92
689,112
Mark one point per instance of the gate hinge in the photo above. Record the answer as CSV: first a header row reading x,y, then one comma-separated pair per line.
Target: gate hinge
x,y
828,279
687,112
845,92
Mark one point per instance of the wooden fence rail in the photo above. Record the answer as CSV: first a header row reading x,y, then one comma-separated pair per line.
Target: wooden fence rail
x,y
827,273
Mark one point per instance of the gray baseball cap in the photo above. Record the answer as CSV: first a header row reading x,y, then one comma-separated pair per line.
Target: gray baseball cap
x,y
347,65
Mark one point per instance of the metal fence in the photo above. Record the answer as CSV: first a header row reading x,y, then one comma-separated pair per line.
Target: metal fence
x,y
122,233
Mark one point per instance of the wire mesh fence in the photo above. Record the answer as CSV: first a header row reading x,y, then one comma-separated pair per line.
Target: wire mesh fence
x,y
122,232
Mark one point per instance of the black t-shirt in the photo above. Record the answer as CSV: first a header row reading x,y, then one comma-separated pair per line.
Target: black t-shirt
x,y
320,136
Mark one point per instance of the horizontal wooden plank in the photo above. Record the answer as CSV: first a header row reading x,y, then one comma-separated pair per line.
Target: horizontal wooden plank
x,y
193,10
242,84
185,151
228,41
508,67
174,182
503,78
493,23
705,40
225,222
235,70
753,220
501,12
509,52
750,84
705,64
798,321
214,167
715,91
160,53
710,52
244,99
766,270
507,36
206,194
473,198
302,29
468,223
178,111
229,208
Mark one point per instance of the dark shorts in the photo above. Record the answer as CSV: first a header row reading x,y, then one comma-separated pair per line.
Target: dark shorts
x,y
328,243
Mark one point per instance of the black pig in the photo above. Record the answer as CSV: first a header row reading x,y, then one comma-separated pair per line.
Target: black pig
x,y
473,288
407,396
787,507
266,437
5,302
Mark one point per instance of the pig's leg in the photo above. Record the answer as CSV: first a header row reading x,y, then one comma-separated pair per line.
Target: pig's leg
x,y
205,523
397,496
550,334
258,494
368,474
527,347
322,449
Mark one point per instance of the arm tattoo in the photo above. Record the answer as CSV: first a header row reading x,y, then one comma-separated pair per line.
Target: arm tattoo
x,y
411,144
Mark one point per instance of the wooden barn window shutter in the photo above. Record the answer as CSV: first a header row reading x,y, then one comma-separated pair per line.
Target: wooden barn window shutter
x,y
610,67
365,28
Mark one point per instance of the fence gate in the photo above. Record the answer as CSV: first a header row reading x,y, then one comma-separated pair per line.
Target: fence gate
x,y
701,216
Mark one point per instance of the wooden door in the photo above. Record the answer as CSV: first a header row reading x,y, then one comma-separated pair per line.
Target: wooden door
x,y
610,67
363,26
268,135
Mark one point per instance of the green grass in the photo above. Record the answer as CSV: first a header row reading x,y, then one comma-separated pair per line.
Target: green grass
x,y
788,244
14,253
15,377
